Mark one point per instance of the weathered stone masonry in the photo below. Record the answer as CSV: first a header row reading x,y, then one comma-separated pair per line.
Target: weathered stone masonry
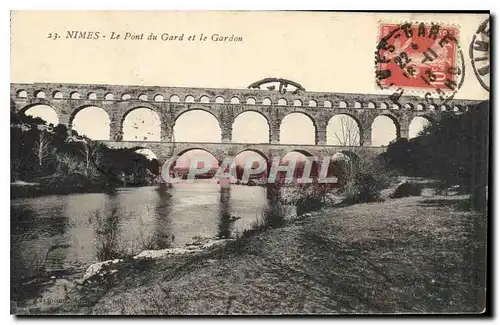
x,y
226,104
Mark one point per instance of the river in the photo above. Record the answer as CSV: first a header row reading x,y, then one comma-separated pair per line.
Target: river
x,y
60,235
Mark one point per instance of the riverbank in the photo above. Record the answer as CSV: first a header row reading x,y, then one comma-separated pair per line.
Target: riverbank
x,y
409,255
22,190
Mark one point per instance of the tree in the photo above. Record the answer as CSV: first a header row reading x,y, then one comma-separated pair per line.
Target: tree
x,y
453,150
67,164
41,148
91,154
349,132
90,150
399,155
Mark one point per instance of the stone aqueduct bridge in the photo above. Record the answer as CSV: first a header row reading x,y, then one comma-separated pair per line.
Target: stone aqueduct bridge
x,y
225,105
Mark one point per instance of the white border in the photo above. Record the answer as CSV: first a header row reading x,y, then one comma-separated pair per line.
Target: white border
x,y
366,5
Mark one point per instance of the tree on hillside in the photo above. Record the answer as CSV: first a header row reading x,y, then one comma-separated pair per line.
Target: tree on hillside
x,y
77,162
41,148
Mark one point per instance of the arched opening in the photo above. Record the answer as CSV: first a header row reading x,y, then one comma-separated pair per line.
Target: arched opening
x,y
250,127
342,130
39,94
339,156
235,100
345,155
189,99
174,99
219,100
74,95
297,128
141,124
150,155
143,97
109,96
371,105
93,122
297,102
313,103
153,165
357,105
327,103
186,127
298,159
266,101
342,104
384,130
193,159
204,99
57,95
45,112
250,101
254,160
126,96
296,155
22,94
158,98
91,96
282,102
417,125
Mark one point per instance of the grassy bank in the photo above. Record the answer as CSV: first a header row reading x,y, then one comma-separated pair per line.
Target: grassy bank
x,y
407,255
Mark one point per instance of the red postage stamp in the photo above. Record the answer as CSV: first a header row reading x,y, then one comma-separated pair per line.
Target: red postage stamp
x,y
417,55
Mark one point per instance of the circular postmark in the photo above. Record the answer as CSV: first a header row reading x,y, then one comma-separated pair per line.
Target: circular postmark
x,y
479,52
420,57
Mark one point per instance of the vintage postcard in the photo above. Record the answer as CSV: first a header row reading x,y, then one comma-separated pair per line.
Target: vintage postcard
x,y
249,163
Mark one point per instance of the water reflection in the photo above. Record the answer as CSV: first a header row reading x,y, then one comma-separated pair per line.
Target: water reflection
x,y
107,230
163,233
274,214
28,221
69,232
226,221
44,253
